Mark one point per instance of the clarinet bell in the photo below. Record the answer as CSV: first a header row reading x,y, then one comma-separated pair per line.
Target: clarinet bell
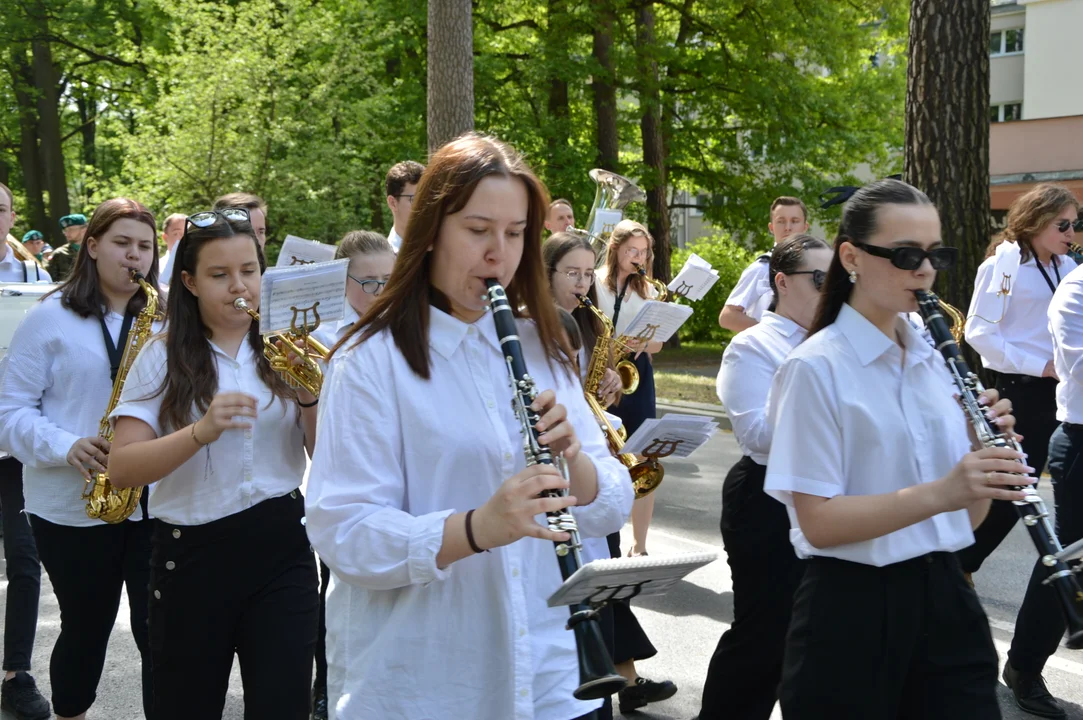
x,y
598,678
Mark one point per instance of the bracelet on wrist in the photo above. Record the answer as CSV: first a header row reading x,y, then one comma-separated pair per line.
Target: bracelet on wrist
x,y
198,441
470,532
307,405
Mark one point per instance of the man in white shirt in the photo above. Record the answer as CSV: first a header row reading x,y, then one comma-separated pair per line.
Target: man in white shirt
x,y
752,294
12,269
560,216
400,185
172,231
257,212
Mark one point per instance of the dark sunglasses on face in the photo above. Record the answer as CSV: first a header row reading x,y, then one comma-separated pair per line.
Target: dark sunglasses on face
x,y
209,217
911,258
818,277
1063,225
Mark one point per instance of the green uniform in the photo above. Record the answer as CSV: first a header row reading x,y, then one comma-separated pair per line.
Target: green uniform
x,y
62,262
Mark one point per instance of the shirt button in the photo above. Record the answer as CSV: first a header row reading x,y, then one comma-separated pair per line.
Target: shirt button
x,y
490,404
522,632
176,533
157,595
170,565
507,456
523,692
515,572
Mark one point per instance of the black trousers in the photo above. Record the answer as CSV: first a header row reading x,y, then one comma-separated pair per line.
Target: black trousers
x,y
1034,405
321,631
245,584
908,641
630,641
1040,625
743,677
22,569
88,567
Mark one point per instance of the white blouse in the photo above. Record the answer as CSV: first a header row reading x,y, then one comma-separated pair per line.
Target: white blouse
x,y
852,416
753,290
395,456
54,391
240,469
1066,328
631,305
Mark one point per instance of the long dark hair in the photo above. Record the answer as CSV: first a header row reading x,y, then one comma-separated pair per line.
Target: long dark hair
x,y
1029,214
191,378
82,291
445,188
860,216
788,256
556,247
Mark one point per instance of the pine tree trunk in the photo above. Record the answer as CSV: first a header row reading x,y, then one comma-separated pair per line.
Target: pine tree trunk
x,y
47,82
650,125
558,105
29,160
451,71
604,90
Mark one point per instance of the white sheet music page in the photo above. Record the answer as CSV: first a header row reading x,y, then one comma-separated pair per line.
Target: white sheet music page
x,y
605,221
672,435
695,279
658,321
298,294
298,251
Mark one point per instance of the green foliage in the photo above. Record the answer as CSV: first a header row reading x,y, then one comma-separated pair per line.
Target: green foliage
x,y
730,259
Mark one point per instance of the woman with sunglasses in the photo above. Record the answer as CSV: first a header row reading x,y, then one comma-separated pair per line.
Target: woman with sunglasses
x,y
61,368
742,679
222,438
1011,332
873,458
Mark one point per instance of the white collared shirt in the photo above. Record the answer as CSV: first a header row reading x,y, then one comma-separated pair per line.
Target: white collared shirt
x,y
1013,336
753,290
165,265
851,417
744,379
54,391
395,456
329,334
240,469
1066,329
12,269
395,239
629,307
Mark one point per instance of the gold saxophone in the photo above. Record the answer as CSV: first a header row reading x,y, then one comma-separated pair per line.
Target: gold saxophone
x,y
646,475
103,501
307,373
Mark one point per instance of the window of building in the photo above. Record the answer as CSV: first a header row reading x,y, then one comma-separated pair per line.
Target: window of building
x,y
702,201
1006,112
1006,42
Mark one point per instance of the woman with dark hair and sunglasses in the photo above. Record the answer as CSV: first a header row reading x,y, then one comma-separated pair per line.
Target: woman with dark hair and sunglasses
x,y
440,569
223,438
742,679
1011,332
875,462
61,367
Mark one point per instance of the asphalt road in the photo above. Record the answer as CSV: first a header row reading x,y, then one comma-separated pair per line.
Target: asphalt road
x,y
684,625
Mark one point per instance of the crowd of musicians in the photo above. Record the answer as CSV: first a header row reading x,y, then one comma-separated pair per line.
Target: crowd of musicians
x,y
413,573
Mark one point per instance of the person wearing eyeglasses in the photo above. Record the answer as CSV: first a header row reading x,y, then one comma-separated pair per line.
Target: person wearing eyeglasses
x,y
401,186
883,481
60,370
1011,333
743,676
221,437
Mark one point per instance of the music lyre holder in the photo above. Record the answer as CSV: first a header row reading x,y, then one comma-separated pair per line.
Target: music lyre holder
x,y
600,582
660,448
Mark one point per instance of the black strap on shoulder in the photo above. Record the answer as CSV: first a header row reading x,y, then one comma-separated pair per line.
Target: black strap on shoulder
x,y
1045,275
116,352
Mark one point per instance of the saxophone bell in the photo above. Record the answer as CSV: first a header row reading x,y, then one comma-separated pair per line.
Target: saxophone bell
x,y
299,343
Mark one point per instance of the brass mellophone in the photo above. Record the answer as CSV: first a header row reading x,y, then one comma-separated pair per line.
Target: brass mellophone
x,y
309,352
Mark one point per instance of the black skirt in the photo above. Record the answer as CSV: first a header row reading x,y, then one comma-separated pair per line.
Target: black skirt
x,y
639,406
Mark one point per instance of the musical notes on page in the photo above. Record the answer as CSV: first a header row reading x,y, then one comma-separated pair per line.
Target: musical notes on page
x,y
298,251
672,434
695,278
604,222
302,294
657,321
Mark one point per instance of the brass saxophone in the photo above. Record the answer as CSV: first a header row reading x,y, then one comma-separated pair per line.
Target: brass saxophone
x,y
103,501
307,373
646,475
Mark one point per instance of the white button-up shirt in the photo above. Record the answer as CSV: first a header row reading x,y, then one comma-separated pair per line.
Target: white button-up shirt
x,y
629,307
54,391
395,239
1019,343
744,379
240,469
395,456
753,290
165,266
1066,328
851,416
12,269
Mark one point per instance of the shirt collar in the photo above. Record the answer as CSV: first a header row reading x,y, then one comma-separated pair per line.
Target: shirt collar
x,y
446,333
870,344
782,325
245,354
395,239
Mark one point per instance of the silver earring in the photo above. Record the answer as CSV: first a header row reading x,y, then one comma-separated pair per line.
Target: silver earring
x,y
853,276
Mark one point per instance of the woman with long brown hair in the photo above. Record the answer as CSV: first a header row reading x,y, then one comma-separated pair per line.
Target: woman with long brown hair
x,y
440,570
61,367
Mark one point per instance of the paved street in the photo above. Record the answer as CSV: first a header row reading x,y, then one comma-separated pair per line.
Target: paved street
x,y
684,625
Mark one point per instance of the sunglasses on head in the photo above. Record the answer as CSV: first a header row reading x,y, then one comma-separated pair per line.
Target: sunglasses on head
x,y
911,258
1063,225
818,277
209,217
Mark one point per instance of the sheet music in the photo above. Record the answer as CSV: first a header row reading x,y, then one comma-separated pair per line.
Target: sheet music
x,y
300,288
298,251
605,221
674,433
657,321
619,578
695,279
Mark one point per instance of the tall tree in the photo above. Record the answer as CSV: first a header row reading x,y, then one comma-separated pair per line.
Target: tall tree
x,y
451,71
650,125
604,90
46,82
947,127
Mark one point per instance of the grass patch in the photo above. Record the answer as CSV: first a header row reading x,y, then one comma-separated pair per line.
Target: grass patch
x,y
684,386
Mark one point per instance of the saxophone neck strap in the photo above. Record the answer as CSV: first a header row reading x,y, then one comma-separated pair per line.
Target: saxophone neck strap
x,y
116,352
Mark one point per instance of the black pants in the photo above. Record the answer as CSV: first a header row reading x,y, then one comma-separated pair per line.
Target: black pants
x,y
1034,405
743,677
321,631
245,584
1040,625
908,641
88,567
630,641
22,569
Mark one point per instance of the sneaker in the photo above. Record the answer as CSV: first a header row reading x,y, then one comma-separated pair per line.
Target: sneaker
x,y
1031,694
319,703
645,691
20,696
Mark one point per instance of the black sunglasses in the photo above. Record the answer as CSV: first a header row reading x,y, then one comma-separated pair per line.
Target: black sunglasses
x,y
818,277
1063,225
911,258
209,217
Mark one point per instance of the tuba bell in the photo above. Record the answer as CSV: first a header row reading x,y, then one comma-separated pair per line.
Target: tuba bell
x,y
613,192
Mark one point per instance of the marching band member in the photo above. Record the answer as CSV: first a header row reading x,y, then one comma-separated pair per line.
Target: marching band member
x,y
422,621
60,373
742,680
401,187
871,455
223,439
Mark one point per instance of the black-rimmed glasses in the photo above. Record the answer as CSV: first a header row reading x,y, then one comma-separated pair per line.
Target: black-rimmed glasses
x,y
1063,225
371,287
911,258
209,217
818,277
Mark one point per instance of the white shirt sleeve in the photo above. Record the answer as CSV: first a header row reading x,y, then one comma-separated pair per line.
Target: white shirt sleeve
x,y
140,397
1066,327
987,337
743,384
24,431
747,291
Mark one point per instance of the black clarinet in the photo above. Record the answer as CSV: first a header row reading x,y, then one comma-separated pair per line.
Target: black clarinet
x,y
597,677
1060,576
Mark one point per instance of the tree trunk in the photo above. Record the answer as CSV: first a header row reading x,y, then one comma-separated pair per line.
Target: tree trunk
x,y
87,103
604,90
29,160
451,71
947,129
47,83
650,125
559,112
